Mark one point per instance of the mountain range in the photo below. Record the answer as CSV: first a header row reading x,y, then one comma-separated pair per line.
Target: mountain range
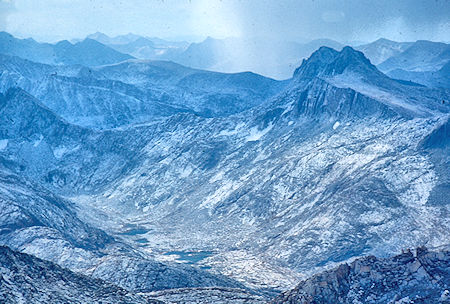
x,y
87,52
179,184
422,61
142,47
419,61
383,49
134,91
275,59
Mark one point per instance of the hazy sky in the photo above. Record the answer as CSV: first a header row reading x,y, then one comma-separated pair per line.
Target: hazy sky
x,y
343,20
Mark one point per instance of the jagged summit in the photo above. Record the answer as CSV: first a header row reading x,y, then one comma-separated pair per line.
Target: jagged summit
x,y
88,52
350,59
310,67
361,88
329,62
314,64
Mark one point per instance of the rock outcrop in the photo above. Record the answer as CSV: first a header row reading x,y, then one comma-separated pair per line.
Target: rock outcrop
x,y
418,276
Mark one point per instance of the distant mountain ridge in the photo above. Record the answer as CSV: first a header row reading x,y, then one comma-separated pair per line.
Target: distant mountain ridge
x,y
142,47
131,38
424,62
418,61
272,58
382,49
422,55
232,55
227,55
87,52
135,91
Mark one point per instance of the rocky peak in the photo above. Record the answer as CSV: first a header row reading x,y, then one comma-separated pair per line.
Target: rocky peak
x,y
350,59
329,62
316,62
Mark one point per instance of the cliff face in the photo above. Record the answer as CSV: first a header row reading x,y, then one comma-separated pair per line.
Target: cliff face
x,y
420,276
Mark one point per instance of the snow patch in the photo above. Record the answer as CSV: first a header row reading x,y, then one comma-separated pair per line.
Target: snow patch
x,y
217,177
59,152
185,172
37,142
256,134
231,132
3,144
220,194
372,217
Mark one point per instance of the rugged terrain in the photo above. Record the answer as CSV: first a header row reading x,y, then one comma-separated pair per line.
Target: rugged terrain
x,y
154,176
26,279
418,276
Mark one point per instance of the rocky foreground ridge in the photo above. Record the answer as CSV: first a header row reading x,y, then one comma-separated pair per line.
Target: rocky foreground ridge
x,y
418,276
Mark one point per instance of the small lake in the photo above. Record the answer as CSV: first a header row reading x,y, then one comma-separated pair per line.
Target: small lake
x,y
190,257
135,231
141,241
